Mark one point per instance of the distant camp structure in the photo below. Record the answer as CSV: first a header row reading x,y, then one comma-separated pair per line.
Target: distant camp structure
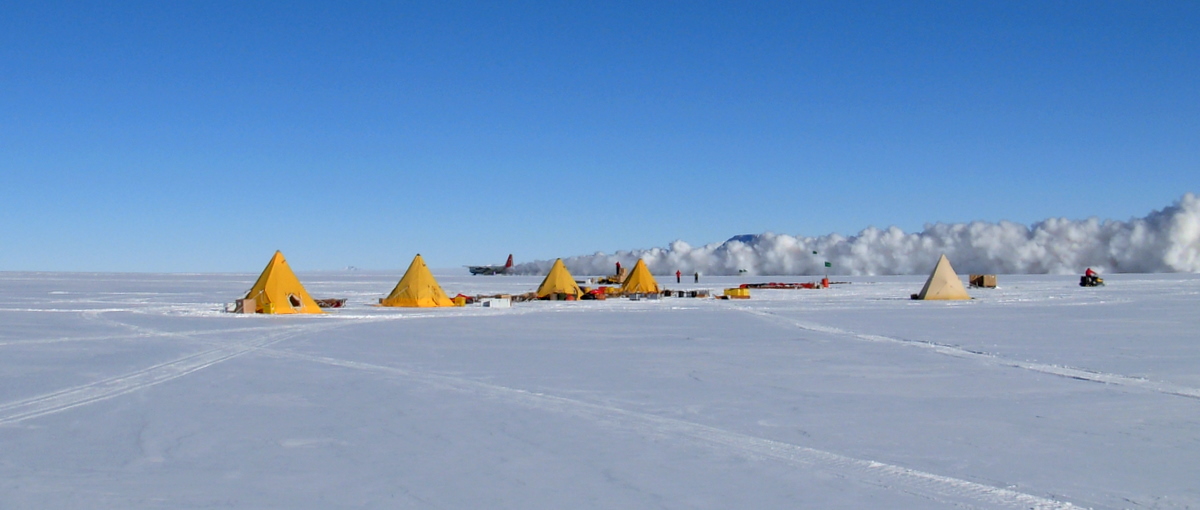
x,y
640,281
417,288
617,278
559,284
943,283
277,291
983,281
736,293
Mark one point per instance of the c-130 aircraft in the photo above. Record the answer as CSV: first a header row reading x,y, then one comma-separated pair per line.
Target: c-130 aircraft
x,y
492,270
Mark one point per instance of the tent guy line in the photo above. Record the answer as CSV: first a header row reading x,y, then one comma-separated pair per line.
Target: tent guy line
x,y
888,476
1081,374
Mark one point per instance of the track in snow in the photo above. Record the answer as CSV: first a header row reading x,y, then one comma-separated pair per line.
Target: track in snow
x,y
105,389
140,333
935,487
992,359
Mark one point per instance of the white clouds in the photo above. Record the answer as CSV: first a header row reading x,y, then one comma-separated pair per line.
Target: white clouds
x,y
1163,241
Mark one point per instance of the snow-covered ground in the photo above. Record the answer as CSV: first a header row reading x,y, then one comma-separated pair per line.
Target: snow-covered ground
x,y
136,391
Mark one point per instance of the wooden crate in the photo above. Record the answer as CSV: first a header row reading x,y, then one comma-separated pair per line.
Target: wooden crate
x,y
987,281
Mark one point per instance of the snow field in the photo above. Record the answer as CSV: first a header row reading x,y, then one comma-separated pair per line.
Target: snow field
x,y
134,391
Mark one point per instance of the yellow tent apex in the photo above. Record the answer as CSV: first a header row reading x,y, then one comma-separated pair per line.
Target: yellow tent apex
x,y
278,291
943,283
559,281
640,281
417,288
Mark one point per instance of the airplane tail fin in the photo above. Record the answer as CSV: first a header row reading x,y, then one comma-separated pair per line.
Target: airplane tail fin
x,y
509,263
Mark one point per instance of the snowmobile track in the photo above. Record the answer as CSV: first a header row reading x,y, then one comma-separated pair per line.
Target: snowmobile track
x,y
1081,374
943,489
105,389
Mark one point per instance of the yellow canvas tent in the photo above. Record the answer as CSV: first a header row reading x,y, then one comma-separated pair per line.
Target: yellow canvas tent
x,y
559,281
279,291
640,281
943,283
417,288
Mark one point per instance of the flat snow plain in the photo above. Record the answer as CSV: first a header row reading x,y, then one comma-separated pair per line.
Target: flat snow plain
x,y
136,391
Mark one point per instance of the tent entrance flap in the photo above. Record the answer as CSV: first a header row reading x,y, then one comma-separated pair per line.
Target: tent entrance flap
x,y
278,291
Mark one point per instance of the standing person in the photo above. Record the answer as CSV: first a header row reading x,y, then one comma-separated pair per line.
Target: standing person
x,y
677,275
697,276
618,267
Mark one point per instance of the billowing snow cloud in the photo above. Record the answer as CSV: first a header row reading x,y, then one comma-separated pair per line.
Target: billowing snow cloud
x,y
1164,241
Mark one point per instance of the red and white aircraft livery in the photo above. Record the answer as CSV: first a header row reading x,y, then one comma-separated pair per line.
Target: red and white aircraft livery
x,y
491,270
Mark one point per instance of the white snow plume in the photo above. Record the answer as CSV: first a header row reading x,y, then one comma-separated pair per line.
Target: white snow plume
x,y
1164,241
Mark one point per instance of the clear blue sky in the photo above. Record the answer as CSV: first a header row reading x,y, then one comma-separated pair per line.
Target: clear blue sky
x,y
202,136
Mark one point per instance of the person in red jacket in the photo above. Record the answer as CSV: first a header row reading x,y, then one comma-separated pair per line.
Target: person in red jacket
x,y
677,275
1089,272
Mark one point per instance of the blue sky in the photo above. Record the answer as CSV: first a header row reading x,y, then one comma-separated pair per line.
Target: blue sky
x,y
202,136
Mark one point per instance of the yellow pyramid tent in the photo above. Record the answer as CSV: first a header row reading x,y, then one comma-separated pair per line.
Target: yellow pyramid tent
x,y
417,288
943,283
279,291
640,281
559,281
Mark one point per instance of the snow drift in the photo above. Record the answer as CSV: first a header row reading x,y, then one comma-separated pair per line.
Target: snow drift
x,y
1167,240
